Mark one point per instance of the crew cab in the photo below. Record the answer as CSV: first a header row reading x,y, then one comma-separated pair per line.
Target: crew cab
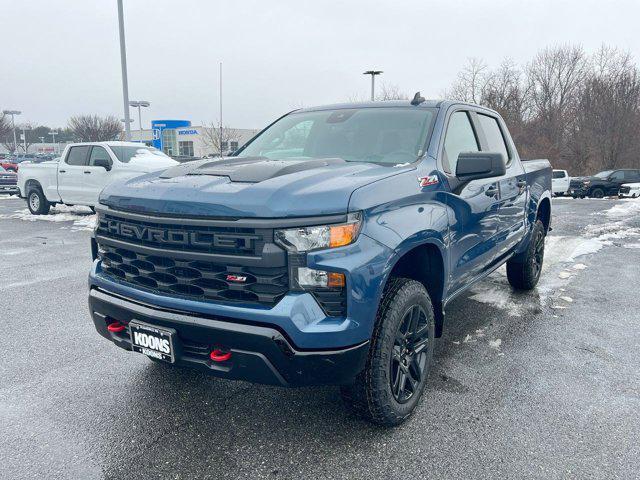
x,y
83,170
8,182
324,251
560,182
602,184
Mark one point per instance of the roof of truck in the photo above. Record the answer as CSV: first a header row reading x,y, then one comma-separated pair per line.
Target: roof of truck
x,y
433,103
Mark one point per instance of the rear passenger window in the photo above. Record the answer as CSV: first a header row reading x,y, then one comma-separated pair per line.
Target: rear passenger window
x,y
78,155
459,138
558,174
493,134
632,175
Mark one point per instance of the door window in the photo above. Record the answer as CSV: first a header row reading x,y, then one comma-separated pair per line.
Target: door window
x,y
558,174
619,175
632,175
98,153
493,134
78,155
460,138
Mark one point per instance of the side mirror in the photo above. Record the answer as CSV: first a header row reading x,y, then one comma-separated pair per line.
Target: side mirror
x,y
476,165
102,162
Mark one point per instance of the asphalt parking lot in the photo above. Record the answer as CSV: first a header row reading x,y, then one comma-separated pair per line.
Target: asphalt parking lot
x,y
536,385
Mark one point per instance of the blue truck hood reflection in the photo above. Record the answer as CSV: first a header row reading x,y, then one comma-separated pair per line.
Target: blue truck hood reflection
x,y
239,187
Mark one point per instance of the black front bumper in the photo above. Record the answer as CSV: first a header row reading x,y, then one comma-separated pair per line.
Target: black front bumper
x,y
260,354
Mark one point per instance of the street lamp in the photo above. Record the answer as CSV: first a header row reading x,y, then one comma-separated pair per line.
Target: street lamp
x,y
139,104
53,136
373,74
13,113
24,138
41,144
123,64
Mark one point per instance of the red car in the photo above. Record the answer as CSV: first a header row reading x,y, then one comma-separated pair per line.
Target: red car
x,y
9,165
8,181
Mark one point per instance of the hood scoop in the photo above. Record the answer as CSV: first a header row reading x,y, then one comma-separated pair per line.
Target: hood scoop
x,y
249,169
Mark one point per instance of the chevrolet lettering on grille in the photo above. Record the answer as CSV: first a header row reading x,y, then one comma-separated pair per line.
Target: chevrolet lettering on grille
x,y
165,236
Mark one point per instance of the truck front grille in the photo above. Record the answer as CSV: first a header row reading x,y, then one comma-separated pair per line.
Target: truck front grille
x,y
195,279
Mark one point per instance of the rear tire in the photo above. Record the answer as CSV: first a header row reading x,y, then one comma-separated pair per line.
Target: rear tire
x,y
388,390
523,271
37,202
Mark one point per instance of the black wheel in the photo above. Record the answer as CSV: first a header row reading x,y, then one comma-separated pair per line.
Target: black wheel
x,y
37,202
597,193
523,271
396,372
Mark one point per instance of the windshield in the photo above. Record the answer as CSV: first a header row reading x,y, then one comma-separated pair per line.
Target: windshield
x,y
604,174
126,153
386,135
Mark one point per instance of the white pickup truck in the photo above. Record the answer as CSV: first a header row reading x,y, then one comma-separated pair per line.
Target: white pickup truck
x,y
83,170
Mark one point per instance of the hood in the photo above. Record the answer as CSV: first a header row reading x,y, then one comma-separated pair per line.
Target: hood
x,y
248,187
151,163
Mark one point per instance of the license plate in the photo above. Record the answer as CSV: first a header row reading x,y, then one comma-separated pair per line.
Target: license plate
x,y
152,341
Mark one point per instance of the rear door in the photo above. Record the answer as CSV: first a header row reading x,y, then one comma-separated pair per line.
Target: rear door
x,y
473,207
96,177
512,186
71,174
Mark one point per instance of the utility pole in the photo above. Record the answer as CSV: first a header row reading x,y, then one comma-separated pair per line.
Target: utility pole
x,y
53,139
41,144
125,83
220,95
373,74
13,113
24,139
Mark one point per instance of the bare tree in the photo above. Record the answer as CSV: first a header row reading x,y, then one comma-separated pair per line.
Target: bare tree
x,y
219,139
6,133
471,82
92,128
391,92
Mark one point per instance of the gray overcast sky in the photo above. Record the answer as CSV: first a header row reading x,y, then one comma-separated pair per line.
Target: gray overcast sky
x,y
62,58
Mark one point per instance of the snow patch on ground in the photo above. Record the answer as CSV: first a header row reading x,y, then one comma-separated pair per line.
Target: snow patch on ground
x,y
632,245
82,217
495,344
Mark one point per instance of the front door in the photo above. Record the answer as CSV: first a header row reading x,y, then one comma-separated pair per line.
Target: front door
x,y
96,175
473,209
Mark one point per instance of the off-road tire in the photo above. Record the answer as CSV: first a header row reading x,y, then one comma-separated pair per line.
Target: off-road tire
x,y
37,202
371,396
523,270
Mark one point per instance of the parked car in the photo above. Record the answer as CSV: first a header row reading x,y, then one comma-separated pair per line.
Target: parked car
x,y
83,171
629,190
324,251
8,182
606,183
560,182
9,164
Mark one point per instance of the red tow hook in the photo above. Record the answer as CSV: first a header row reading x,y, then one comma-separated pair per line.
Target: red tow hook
x,y
116,327
218,355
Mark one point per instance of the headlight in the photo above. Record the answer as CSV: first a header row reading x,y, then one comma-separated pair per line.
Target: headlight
x,y
304,239
586,182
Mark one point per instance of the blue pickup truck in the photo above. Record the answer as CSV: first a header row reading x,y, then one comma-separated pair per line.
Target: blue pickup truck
x,y
324,251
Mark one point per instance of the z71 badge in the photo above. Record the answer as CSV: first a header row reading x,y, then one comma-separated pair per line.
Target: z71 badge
x,y
428,180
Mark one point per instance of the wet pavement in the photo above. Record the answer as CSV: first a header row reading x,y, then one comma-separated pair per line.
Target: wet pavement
x,y
525,385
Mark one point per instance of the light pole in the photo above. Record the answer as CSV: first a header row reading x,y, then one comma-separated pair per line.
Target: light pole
x,y
13,113
139,104
125,83
373,74
53,139
41,144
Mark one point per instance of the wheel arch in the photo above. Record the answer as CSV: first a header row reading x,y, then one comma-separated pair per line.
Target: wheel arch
x,y
425,263
544,213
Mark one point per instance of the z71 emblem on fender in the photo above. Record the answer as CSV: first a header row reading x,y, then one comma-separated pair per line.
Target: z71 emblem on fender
x,y
428,180
236,278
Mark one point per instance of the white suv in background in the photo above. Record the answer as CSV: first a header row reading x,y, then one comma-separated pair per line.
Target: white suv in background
x,y
560,182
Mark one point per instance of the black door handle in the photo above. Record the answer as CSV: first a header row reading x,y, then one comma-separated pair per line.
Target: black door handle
x,y
87,171
491,191
61,171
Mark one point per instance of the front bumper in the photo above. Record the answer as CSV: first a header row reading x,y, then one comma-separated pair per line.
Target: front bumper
x,y
12,189
260,354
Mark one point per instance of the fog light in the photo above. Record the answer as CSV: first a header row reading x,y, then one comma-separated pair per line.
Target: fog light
x,y
308,277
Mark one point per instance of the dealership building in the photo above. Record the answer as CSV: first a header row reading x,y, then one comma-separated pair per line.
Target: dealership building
x,y
181,138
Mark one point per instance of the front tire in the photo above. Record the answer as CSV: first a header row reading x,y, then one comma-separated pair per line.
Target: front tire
x,y
597,193
391,385
523,270
37,202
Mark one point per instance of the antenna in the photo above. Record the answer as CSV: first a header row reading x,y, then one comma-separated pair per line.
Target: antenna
x,y
417,99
